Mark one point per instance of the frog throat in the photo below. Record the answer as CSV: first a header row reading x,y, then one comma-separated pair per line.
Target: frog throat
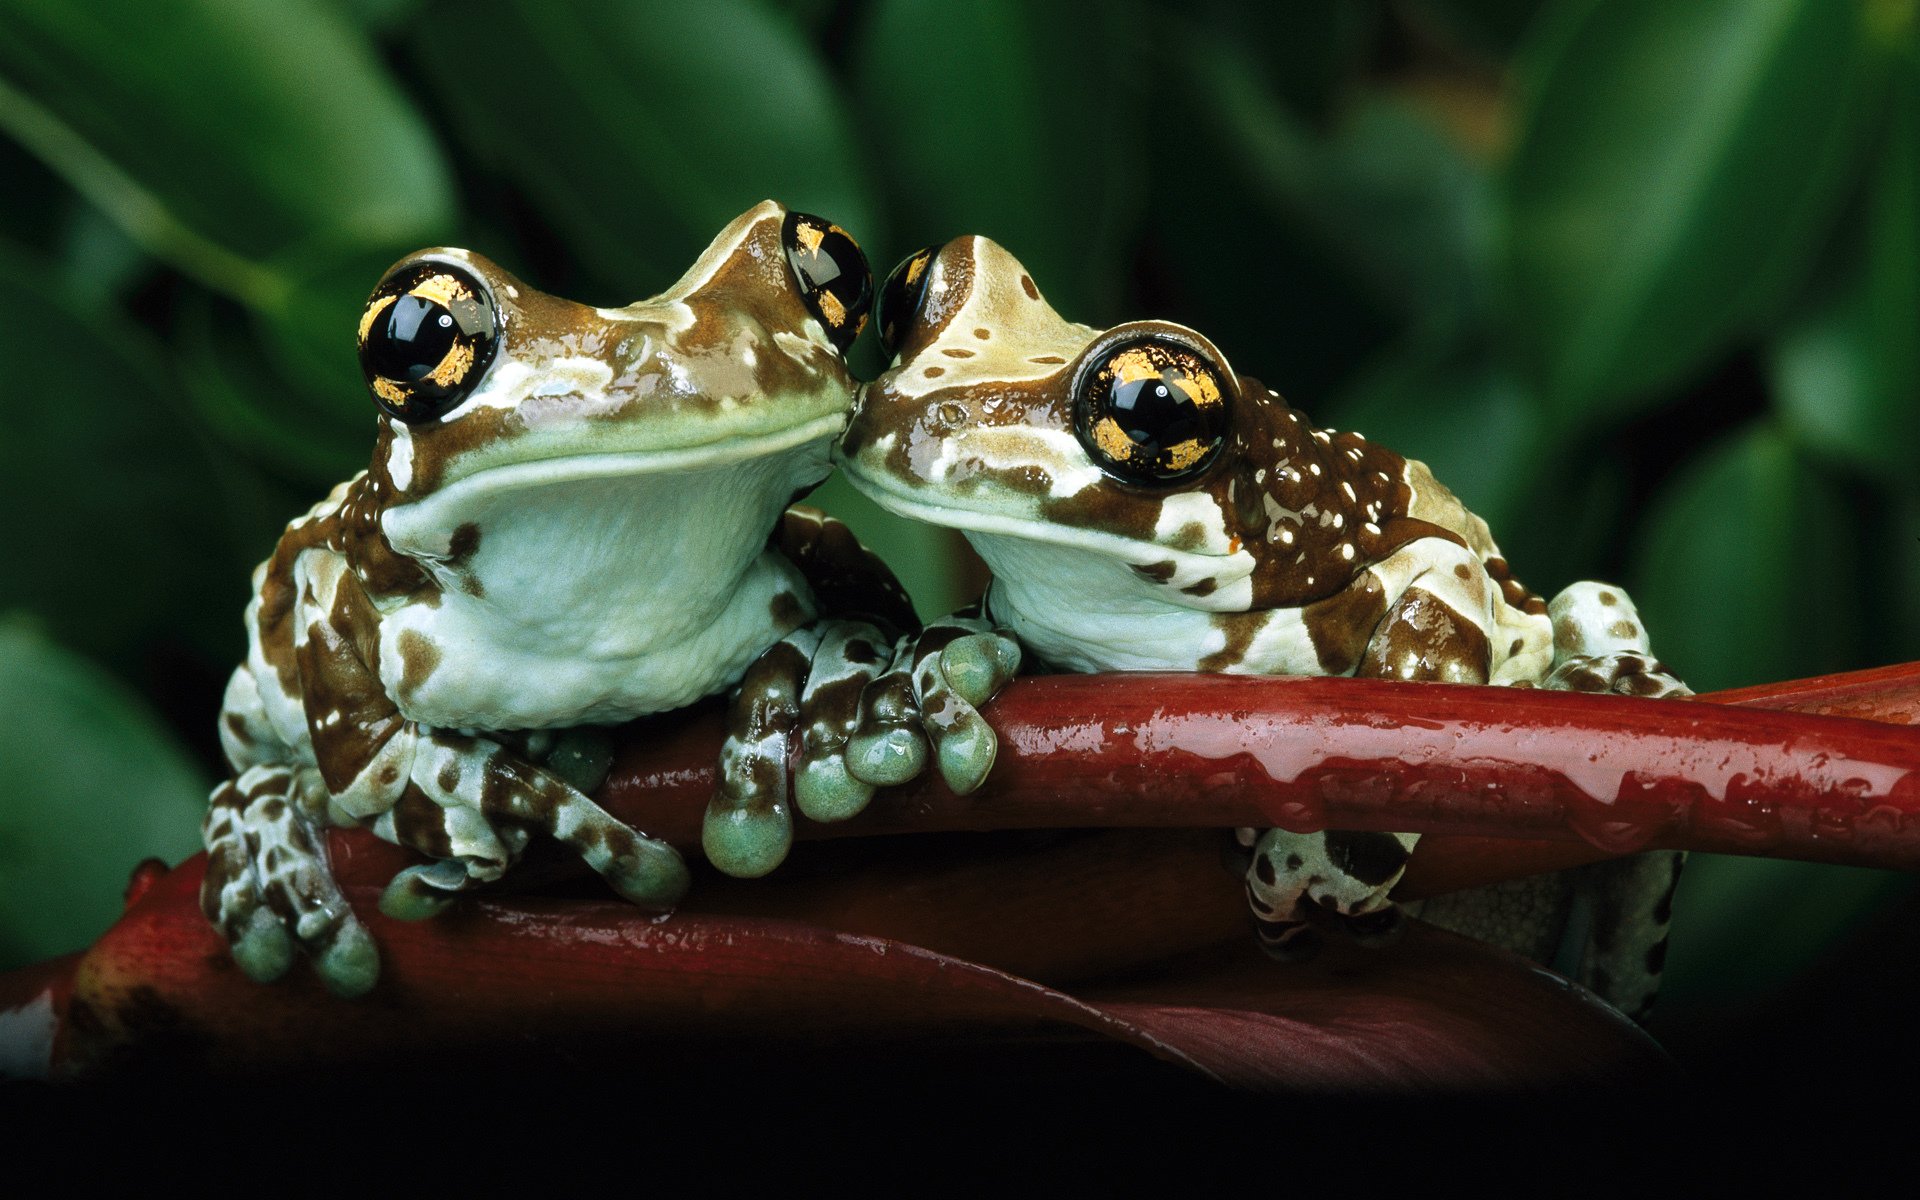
x,y
1162,563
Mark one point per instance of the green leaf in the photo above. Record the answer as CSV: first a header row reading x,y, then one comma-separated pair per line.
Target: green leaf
x,y
641,129
1676,167
1846,373
119,518
1313,248
1015,121
1310,52
1740,576
93,785
222,132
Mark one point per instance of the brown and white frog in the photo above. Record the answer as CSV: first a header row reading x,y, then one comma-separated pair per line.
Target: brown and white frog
x,y
573,516
1144,507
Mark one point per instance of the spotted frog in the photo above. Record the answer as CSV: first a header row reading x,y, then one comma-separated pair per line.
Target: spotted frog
x,y
1144,507
573,516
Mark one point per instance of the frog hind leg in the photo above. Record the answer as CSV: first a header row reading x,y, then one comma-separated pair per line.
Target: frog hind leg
x,y
1600,645
1626,949
1297,877
471,805
1435,630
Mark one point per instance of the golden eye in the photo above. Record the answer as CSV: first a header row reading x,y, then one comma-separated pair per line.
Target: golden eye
x,y
832,275
1151,410
429,333
901,297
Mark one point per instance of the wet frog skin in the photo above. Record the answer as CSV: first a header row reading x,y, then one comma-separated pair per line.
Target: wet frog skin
x,y
566,522
1144,507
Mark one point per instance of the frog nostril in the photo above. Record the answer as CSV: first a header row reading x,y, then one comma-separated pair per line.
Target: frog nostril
x,y
831,273
950,413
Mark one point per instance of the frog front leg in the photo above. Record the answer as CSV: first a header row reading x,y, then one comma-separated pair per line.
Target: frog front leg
x,y
869,710
1437,626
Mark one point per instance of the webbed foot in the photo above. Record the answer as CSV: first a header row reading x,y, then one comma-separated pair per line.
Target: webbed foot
x,y
270,890
1298,881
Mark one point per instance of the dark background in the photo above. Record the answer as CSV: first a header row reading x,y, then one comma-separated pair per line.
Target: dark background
x,y
1639,279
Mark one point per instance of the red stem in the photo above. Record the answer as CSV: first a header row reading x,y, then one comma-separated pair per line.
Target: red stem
x,y
1598,775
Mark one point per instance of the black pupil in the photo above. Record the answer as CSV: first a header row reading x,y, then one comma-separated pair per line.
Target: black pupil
x,y
410,339
1156,414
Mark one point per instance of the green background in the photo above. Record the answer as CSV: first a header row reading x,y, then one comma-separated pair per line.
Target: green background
x,y
1639,279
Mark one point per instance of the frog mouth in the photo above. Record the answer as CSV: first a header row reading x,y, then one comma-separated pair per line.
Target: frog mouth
x,y
905,503
566,467
405,523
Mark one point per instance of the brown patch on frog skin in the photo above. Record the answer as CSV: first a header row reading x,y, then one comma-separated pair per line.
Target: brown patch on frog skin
x,y
1240,629
956,352
1623,629
1201,587
462,545
1424,640
1027,286
1160,572
418,659
847,579
237,728
1342,624
349,716
786,610
420,823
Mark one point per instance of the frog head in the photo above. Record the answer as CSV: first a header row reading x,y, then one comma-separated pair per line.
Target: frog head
x,y
1131,465
511,417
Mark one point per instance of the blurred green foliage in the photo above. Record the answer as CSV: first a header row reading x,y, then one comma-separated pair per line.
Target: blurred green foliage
x,y
1640,279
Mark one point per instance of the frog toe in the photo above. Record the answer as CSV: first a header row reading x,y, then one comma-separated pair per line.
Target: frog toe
x,y
886,757
746,842
826,790
979,665
651,875
967,751
350,963
264,949
418,893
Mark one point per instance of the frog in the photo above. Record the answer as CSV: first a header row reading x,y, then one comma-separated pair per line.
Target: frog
x,y
1143,507
573,516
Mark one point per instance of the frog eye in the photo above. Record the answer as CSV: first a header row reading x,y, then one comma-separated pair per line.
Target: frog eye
x,y
832,275
901,297
1151,410
426,339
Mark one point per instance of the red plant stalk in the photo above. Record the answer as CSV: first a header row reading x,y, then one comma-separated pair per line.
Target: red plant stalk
x,y
1562,775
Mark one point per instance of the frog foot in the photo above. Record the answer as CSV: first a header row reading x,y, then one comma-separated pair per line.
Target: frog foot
x,y
748,828
270,890
1622,673
1299,881
926,705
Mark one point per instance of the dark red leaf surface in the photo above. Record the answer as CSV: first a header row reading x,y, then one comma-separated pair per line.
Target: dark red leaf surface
x,y
561,975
